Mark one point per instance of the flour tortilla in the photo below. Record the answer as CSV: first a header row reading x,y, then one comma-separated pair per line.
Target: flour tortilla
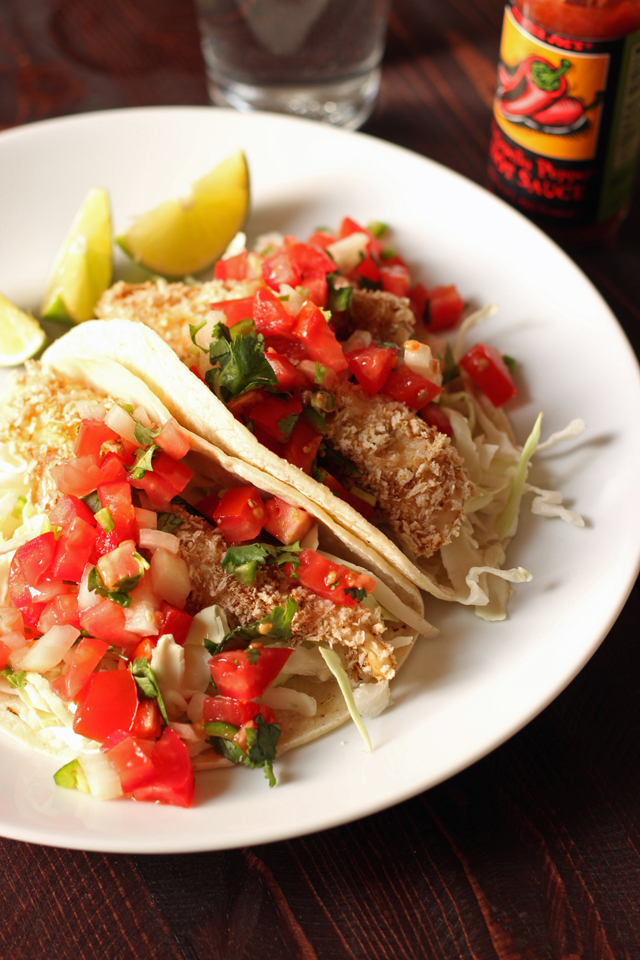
x,y
145,354
212,464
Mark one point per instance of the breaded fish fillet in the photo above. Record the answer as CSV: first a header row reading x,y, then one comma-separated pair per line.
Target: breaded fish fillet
x,y
385,316
415,472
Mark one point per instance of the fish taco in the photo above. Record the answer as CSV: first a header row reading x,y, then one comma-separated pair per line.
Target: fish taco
x,y
166,606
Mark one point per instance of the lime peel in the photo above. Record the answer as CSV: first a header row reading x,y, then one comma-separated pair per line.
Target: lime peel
x,y
21,336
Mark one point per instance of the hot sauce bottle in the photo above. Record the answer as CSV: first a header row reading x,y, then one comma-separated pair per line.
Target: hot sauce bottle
x,y
565,131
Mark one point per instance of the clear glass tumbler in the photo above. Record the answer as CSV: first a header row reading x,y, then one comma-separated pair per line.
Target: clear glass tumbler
x,y
311,58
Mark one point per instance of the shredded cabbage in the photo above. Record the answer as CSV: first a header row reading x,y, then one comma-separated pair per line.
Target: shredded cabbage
x,y
332,660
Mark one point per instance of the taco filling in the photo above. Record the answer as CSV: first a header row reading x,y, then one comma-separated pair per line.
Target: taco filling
x,y
160,616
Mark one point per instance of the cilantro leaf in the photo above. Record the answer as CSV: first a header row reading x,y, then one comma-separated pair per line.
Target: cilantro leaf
x,y
315,418
242,328
286,425
143,461
147,684
509,362
261,747
145,435
253,655
451,370
239,365
168,522
243,562
356,593
275,626
377,228
333,458
193,329
227,748
121,596
15,678
339,297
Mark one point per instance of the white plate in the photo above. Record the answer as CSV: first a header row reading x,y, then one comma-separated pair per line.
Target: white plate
x,y
478,683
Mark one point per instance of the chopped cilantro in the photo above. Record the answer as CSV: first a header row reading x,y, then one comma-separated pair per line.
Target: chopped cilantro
x,y
389,345
143,461
387,254
15,678
237,365
128,407
333,458
451,370
122,592
286,425
377,228
356,593
193,329
261,747
510,363
243,562
242,328
145,435
227,748
339,298
319,474
253,655
92,500
168,522
147,684
320,373
365,284
275,626
315,418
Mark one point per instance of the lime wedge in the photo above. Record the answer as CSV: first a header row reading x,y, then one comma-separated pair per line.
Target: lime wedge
x,y
20,335
82,269
185,236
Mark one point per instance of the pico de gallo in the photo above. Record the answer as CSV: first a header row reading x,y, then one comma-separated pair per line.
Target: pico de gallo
x,y
98,612
276,358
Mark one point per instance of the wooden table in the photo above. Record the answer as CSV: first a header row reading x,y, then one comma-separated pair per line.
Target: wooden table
x,y
534,852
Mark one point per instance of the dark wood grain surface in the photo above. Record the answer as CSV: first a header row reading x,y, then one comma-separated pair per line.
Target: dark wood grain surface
x,y
534,852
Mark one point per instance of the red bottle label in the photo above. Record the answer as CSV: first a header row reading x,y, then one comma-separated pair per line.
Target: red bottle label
x,y
566,123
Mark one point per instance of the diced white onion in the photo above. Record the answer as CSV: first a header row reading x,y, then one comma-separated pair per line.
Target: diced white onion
x,y
197,675
187,732
196,707
349,251
141,414
237,245
359,338
48,650
122,422
170,577
311,539
104,782
372,698
146,519
14,640
141,618
154,539
86,598
91,410
211,622
294,304
418,357
284,698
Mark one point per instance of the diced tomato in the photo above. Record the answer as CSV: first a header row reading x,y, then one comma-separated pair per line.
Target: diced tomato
x,y
263,437
240,514
270,315
318,338
174,621
131,763
18,588
445,308
419,298
73,549
116,497
105,620
408,387
91,435
109,702
285,522
434,415
309,369
235,712
301,448
144,650
34,559
310,259
371,366
328,579
246,674
232,268
78,476
48,588
279,269
119,564
207,505
67,508
276,416
488,370
159,490
194,370
322,239
174,781
5,653
235,310
105,543
31,614
367,269
147,723
61,610
315,283
356,502
173,440
173,471
112,467
238,405
86,657
349,226
395,279
288,376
